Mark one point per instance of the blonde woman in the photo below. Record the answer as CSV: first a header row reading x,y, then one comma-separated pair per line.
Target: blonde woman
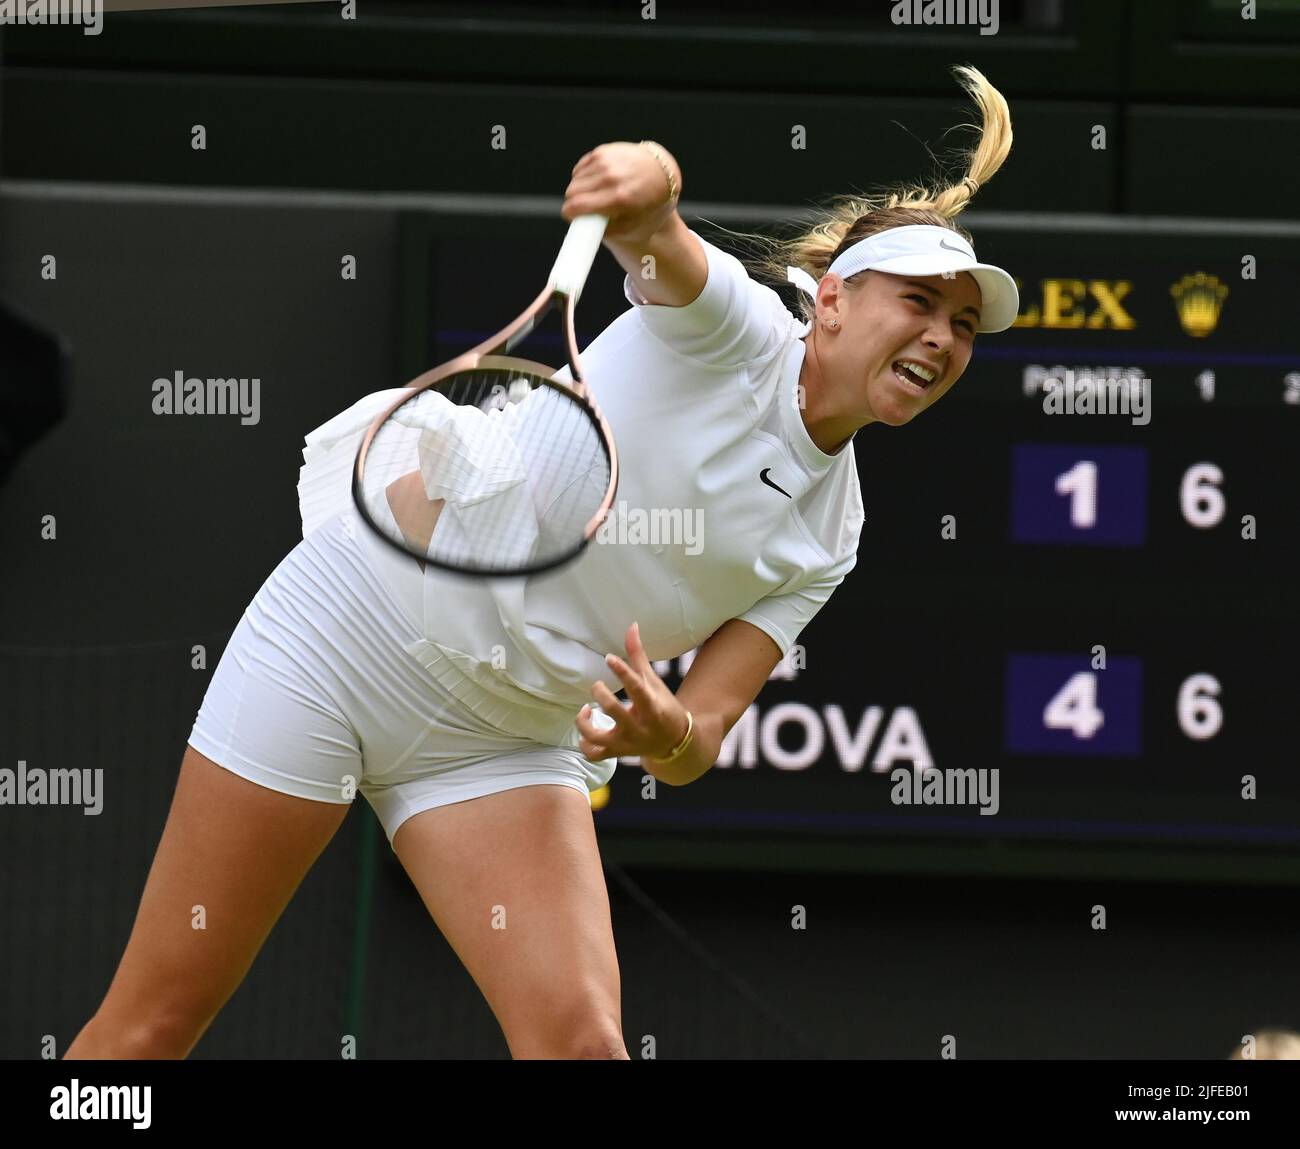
x,y
460,708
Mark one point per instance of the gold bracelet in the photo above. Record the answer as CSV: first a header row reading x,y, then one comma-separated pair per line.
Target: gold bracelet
x,y
657,152
681,747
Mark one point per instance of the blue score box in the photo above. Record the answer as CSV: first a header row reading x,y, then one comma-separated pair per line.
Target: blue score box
x,y
1057,704
1078,494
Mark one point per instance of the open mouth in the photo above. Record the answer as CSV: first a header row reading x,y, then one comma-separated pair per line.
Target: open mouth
x,y
913,375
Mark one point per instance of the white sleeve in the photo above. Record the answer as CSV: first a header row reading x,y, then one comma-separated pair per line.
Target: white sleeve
x,y
784,616
733,320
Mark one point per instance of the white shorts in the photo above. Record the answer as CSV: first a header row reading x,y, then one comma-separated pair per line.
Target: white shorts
x,y
329,688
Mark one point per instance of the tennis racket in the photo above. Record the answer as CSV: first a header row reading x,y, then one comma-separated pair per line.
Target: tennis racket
x,y
487,465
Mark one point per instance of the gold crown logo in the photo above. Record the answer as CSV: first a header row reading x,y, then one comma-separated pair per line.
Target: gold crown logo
x,y
1199,299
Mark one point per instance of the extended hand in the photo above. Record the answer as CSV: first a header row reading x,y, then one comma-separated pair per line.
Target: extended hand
x,y
649,725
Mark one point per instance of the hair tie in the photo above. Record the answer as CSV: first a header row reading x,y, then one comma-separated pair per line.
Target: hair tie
x,y
972,183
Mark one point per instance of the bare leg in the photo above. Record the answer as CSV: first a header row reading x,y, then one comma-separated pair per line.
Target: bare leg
x,y
239,851
515,883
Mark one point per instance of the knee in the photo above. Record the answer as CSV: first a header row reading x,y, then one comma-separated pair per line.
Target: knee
x,y
152,1039
170,1037
601,1043
584,1031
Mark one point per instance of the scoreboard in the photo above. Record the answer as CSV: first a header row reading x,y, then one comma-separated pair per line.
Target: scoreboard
x,y
1075,613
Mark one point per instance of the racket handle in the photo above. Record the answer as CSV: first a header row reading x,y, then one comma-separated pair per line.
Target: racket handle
x,y
578,253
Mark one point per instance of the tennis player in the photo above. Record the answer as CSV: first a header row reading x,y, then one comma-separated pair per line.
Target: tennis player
x,y
462,709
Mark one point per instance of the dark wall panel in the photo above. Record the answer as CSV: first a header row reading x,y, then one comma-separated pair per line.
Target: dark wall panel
x,y
155,539
433,137
1238,163
70,881
845,46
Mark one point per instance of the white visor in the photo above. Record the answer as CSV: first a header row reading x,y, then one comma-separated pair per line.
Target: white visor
x,y
923,249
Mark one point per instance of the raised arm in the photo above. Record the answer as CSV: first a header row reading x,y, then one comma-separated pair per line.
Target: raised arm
x,y
630,183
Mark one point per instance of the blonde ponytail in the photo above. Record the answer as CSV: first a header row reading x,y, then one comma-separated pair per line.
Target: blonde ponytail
x,y
846,219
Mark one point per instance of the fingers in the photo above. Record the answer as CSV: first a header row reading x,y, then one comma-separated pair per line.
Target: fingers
x,y
634,722
631,726
632,681
608,700
584,183
638,673
581,197
595,195
637,652
609,180
591,158
572,209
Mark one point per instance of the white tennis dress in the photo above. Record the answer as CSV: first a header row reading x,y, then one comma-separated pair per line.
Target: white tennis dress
x,y
352,671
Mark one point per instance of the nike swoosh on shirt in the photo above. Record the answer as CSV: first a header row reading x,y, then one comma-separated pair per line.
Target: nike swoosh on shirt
x,y
763,476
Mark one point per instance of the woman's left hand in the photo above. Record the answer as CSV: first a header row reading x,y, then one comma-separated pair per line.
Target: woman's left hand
x,y
649,725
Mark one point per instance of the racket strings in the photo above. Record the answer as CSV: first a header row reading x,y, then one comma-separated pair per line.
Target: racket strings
x,y
490,471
